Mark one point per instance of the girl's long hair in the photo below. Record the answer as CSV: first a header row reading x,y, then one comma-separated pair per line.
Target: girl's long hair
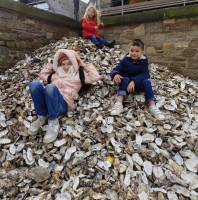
x,y
96,15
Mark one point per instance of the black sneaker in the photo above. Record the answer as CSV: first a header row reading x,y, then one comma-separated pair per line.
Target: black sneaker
x,y
111,45
99,45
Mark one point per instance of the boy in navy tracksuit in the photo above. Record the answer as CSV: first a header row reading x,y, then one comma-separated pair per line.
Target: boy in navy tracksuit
x,y
132,75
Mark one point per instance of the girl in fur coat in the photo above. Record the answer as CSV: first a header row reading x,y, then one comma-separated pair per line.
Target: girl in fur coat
x,y
91,24
54,100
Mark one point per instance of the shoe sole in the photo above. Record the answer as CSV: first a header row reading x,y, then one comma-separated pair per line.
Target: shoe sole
x,y
32,134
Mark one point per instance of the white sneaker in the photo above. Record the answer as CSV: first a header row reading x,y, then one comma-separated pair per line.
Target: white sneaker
x,y
157,113
117,109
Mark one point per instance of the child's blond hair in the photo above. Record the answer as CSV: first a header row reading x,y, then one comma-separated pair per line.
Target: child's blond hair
x,y
96,15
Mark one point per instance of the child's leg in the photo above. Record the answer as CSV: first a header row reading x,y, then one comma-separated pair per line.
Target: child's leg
x,y
38,97
56,106
93,39
118,107
102,41
110,45
149,96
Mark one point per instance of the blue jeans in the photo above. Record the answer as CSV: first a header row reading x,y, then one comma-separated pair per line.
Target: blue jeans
x,y
144,87
48,101
96,40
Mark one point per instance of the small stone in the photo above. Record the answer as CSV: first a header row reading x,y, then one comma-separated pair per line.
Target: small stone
x,y
40,174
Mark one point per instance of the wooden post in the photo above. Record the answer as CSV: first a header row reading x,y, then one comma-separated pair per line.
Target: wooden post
x,y
76,9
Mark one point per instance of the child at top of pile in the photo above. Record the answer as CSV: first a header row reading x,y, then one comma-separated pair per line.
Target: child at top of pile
x,y
132,75
62,89
91,24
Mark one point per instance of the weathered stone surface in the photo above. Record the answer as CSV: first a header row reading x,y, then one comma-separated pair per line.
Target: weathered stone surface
x,y
190,72
168,21
159,37
22,19
30,22
178,64
193,63
154,27
150,50
40,174
168,46
4,50
21,45
4,29
10,44
191,34
174,36
189,53
49,35
5,14
183,19
175,68
140,30
180,26
181,44
2,43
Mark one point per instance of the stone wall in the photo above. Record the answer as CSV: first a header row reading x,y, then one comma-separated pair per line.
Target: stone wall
x,y
24,29
169,41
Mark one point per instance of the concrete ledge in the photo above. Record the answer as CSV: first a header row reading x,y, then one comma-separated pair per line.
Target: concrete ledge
x,y
152,15
38,13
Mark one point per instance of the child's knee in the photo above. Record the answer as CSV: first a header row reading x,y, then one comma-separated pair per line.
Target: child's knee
x,y
35,85
125,80
49,89
146,82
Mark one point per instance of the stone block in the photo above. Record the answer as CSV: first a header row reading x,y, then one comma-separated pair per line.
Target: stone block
x,y
150,50
4,50
175,69
168,21
191,34
31,22
175,36
48,27
193,63
140,30
35,41
178,64
123,36
182,19
36,46
2,43
159,37
21,45
4,30
181,44
168,46
10,44
154,27
6,14
190,72
22,19
13,53
195,25
128,31
49,35
189,53
181,26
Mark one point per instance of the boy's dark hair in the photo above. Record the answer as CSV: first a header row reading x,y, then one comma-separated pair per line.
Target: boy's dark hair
x,y
137,42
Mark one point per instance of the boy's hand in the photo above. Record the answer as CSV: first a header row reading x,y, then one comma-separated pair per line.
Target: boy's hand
x,y
117,79
96,28
131,87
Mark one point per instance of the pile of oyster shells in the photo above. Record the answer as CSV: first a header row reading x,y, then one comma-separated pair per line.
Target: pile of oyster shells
x,y
98,156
